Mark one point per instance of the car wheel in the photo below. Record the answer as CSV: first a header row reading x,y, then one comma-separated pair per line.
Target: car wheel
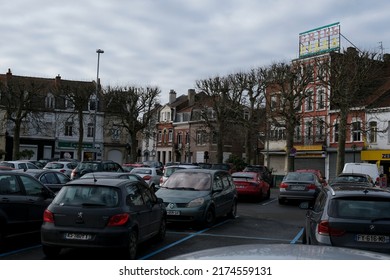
x,y
163,229
210,217
233,211
304,240
132,245
268,194
51,251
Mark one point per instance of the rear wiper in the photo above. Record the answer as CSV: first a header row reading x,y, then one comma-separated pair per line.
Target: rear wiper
x,y
380,219
93,204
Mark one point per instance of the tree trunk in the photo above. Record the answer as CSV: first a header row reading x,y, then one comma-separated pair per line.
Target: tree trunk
x,y
342,131
81,136
16,140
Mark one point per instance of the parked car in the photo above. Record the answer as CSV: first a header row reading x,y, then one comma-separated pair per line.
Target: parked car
x,y
65,167
19,164
348,216
204,165
23,199
199,196
151,175
365,168
299,186
222,166
250,184
85,167
355,179
319,174
168,171
155,164
118,175
52,179
104,213
265,173
129,166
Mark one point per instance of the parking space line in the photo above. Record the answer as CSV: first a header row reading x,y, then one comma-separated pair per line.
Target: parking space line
x,y
180,241
297,237
19,251
269,202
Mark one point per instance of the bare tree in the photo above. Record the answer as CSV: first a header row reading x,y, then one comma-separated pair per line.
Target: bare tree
x,y
132,109
351,77
76,99
221,107
287,88
22,99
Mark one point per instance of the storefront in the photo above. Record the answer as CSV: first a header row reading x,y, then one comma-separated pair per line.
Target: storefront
x,y
381,158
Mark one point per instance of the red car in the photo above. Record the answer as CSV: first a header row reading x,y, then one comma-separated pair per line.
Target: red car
x,y
251,184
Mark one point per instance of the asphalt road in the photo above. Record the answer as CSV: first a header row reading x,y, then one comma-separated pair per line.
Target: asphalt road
x,y
264,222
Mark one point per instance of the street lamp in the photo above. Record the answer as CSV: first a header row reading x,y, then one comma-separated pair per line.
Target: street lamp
x,y
98,51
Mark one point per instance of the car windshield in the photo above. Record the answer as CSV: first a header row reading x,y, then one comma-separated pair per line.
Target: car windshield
x,y
189,181
89,165
87,196
360,208
299,176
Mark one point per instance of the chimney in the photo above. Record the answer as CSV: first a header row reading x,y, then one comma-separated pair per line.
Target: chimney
x,y
57,80
9,73
172,96
191,96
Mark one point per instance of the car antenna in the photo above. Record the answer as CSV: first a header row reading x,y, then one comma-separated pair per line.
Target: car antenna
x,y
94,178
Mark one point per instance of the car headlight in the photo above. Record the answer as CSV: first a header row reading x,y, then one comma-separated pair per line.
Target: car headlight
x,y
196,202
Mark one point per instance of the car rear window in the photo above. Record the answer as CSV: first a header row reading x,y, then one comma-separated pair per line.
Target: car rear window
x,y
360,209
54,165
87,196
299,176
168,171
242,176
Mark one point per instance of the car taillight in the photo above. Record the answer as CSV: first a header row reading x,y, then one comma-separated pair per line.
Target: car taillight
x,y
147,177
62,170
325,229
283,186
161,180
48,216
118,220
311,187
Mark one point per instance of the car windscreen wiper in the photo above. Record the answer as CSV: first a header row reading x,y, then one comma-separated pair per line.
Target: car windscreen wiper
x,y
93,204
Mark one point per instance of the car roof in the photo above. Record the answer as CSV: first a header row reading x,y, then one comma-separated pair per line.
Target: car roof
x,y
356,190
111,182
201,170
183,166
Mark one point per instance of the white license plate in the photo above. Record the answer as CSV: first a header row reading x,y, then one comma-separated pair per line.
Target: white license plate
x,y
372,238
297,188
173,213
240,187
78,236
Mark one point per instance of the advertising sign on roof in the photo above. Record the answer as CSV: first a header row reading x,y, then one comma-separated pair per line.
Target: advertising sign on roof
x,y
319,40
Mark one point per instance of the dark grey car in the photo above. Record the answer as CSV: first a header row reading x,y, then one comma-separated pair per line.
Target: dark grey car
x,y
199,196
348,216
299,186
103,213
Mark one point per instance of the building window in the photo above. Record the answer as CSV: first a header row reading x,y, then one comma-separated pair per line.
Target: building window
x,y
115,133
321,98
170,135
69,104
179,139
336,133
159,139
68,129
308,132
356,131
309,101
49,101
90,130
187,138
93,103
274,102
373,132
298,134
320,130
200,137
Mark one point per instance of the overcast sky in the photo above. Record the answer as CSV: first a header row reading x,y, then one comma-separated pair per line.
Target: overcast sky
x,y
172,43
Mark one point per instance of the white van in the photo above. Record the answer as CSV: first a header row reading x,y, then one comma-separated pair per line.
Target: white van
x,y
364,168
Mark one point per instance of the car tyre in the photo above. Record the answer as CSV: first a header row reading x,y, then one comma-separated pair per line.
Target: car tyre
x,y
51,251
268,193
304,240
210,217
131,250
233,211
163,229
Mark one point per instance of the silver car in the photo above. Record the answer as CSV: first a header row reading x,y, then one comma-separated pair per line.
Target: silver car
x,y
151,175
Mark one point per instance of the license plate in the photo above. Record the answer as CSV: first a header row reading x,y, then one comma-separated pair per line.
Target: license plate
x,y
372,238
173,213
240,187
297,188
78,236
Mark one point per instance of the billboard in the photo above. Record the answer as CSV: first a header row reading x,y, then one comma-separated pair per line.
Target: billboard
x,y
319,40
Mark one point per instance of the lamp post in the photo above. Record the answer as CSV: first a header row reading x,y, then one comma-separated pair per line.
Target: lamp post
x,y
98,51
